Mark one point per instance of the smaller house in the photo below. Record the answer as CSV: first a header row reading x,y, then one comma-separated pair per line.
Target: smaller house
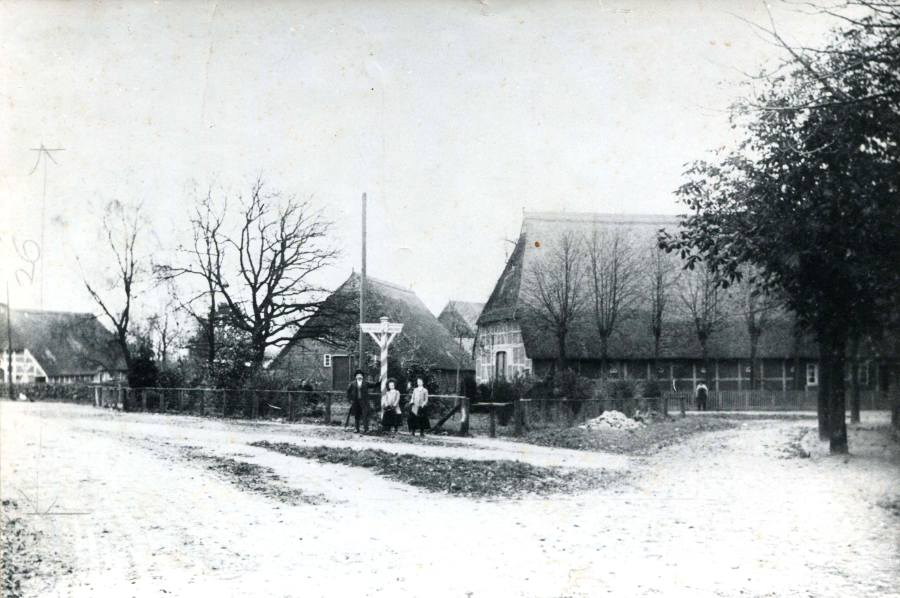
x,y
51,347
327,360
460,318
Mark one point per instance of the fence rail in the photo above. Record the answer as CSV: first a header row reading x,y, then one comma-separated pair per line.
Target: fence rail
x,y
779,400
316,406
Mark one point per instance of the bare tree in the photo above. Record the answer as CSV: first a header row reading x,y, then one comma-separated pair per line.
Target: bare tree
x,y
661,277
201,259
123,228
757,307
263,268
703,300
555,294
166,329
612,277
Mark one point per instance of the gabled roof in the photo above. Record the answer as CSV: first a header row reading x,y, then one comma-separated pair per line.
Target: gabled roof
x,y
422,332
633,338
539,230
460,318
64,343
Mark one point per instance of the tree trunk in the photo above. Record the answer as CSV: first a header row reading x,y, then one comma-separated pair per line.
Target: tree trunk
x,y
754,343
604,358
832,351
561,339
824,389
655,372
838,412
854,391
854,380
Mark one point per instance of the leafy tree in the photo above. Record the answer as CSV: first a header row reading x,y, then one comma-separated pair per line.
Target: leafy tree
x,y
809,198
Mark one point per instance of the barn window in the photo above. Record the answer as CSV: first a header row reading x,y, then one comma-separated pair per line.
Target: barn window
x,y
326,360
812,374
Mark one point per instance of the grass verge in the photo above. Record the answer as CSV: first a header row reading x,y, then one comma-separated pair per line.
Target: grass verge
x,y
461,477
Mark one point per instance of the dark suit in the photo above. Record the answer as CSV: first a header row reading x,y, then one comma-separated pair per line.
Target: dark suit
x,y
360,403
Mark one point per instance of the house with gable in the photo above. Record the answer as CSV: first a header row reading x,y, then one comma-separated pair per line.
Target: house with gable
x,y
460,318
55,347
509,344
324,351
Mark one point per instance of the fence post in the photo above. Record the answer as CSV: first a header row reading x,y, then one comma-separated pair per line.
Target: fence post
x,y
464,412
682,407
290,409
162,401
517,414
181,401
143,400
203,403
493,427
254,414
665,405
327,408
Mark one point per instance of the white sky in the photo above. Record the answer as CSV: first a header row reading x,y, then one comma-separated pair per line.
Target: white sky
x,y
452,116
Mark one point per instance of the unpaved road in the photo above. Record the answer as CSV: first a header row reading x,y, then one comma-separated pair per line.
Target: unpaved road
x,y
723,514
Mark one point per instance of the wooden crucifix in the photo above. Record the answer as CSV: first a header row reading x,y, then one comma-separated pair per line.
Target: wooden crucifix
x,y
383,333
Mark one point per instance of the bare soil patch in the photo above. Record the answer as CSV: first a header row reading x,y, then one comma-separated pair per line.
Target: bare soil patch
x,y
461,477
637,442
252,478
26,568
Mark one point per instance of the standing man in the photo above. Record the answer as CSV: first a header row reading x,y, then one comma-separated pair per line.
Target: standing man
x,y
702,396
358,395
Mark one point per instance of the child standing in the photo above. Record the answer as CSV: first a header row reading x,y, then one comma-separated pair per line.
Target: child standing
x,y
390,405
418,419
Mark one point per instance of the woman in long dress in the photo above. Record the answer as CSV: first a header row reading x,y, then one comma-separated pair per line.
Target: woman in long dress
x,y
418,418
390,406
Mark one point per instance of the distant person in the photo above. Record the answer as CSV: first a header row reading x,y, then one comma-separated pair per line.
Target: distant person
x,y
418,418
306,386
702,396
358,395
390,407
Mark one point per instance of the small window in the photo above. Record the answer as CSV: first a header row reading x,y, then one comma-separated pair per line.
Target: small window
x,y
326,360
812,374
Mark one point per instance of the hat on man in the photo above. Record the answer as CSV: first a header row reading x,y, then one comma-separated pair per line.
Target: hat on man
x,y
359,373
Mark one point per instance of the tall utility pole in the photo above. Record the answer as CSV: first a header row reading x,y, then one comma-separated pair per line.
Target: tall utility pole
x,y
362,292
43,153
9,347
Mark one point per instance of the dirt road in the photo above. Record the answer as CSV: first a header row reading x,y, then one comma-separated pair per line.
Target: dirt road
x,y
723,514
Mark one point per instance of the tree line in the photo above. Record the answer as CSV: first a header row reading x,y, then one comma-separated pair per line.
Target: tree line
x,y
245,282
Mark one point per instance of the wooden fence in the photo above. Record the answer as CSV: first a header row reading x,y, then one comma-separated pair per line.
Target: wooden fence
x,y
777,400
286,405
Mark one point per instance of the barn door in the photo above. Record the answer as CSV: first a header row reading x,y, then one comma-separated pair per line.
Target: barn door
x,y
340,372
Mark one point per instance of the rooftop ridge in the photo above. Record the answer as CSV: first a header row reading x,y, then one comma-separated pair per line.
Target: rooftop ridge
x,y
602,217
386,283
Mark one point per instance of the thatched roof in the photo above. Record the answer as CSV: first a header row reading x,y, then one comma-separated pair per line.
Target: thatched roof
x,y
634,338
539,231
461,318
422,333
64,343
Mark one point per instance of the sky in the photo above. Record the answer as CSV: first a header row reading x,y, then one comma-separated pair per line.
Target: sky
x,y
452,116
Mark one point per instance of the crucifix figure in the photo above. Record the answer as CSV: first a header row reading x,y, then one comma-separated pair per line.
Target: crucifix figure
x,y
383,333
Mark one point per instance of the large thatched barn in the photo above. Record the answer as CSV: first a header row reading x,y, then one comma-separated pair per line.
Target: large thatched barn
x,y
510,343
329,360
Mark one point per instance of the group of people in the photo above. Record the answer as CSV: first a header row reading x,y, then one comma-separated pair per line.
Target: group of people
x,y
391,411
